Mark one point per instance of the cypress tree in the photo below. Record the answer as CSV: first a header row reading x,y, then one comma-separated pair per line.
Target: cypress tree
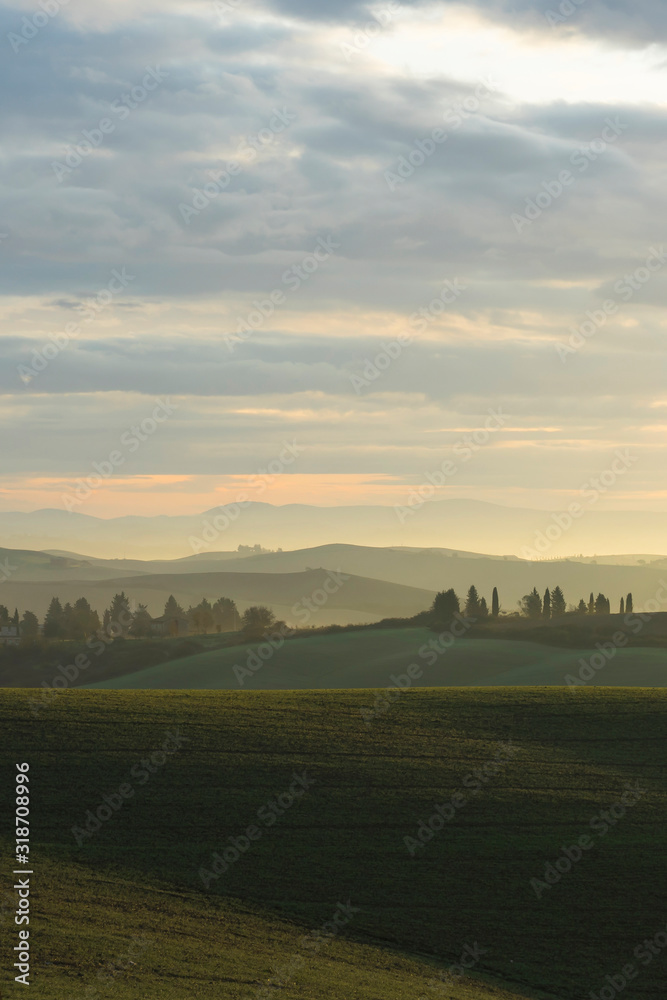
x,y
472,603
172,608
558,606
495,603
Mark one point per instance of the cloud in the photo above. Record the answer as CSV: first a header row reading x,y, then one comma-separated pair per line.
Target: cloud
x,y
258,140
640,23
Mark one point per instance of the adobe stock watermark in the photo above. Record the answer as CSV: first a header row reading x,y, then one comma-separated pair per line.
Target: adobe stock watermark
x,y
564,11
130,440
7,570
246,153
370,31
32,24
140,772
424,148
112,971
463,450
625,288
429,654
267,815
591,491
303,610
92,138
228,514
292,279
581,158
604,821
634,622
90,309
418,321
225,7
448,979
474,783
646,952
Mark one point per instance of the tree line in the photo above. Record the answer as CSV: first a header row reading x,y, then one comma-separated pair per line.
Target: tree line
x,y
533,605
78,621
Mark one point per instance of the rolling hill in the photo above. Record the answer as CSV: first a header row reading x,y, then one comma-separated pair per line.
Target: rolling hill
x,y
313,597
423,570
370,659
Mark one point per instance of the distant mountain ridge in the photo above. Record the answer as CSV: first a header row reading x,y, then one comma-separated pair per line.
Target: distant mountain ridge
x,y
467,525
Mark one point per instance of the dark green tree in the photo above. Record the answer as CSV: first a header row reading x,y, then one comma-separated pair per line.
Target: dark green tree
x,y
495,603
546,604
582,608
225,615
141,626
629,608
82,620
591,605
531,604
483,608
258,622
621,609
445,606
29,626
200,619
4,616
53,627
172,608
558,605
120,614
601,605
68,622
472,607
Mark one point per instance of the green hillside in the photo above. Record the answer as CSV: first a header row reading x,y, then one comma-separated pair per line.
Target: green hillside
x,y
368,659
217,881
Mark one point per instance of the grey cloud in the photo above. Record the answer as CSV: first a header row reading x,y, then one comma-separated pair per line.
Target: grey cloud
x,y
639,23
272,366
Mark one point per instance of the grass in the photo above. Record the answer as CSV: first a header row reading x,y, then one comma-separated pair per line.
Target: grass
x,y
368,659
343,840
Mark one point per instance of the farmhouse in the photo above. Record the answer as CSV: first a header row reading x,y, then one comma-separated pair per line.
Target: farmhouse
x,y
9,635
170,625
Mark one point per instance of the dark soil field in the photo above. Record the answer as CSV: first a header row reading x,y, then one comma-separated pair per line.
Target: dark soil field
x,y
272,844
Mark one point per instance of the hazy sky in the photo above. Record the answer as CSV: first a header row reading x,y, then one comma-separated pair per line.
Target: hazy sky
x,y
241,208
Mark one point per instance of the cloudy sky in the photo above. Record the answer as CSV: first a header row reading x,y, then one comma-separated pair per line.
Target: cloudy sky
x,y
361,229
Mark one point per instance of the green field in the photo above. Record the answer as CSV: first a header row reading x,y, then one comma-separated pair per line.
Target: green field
x,y
367,659
568,756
